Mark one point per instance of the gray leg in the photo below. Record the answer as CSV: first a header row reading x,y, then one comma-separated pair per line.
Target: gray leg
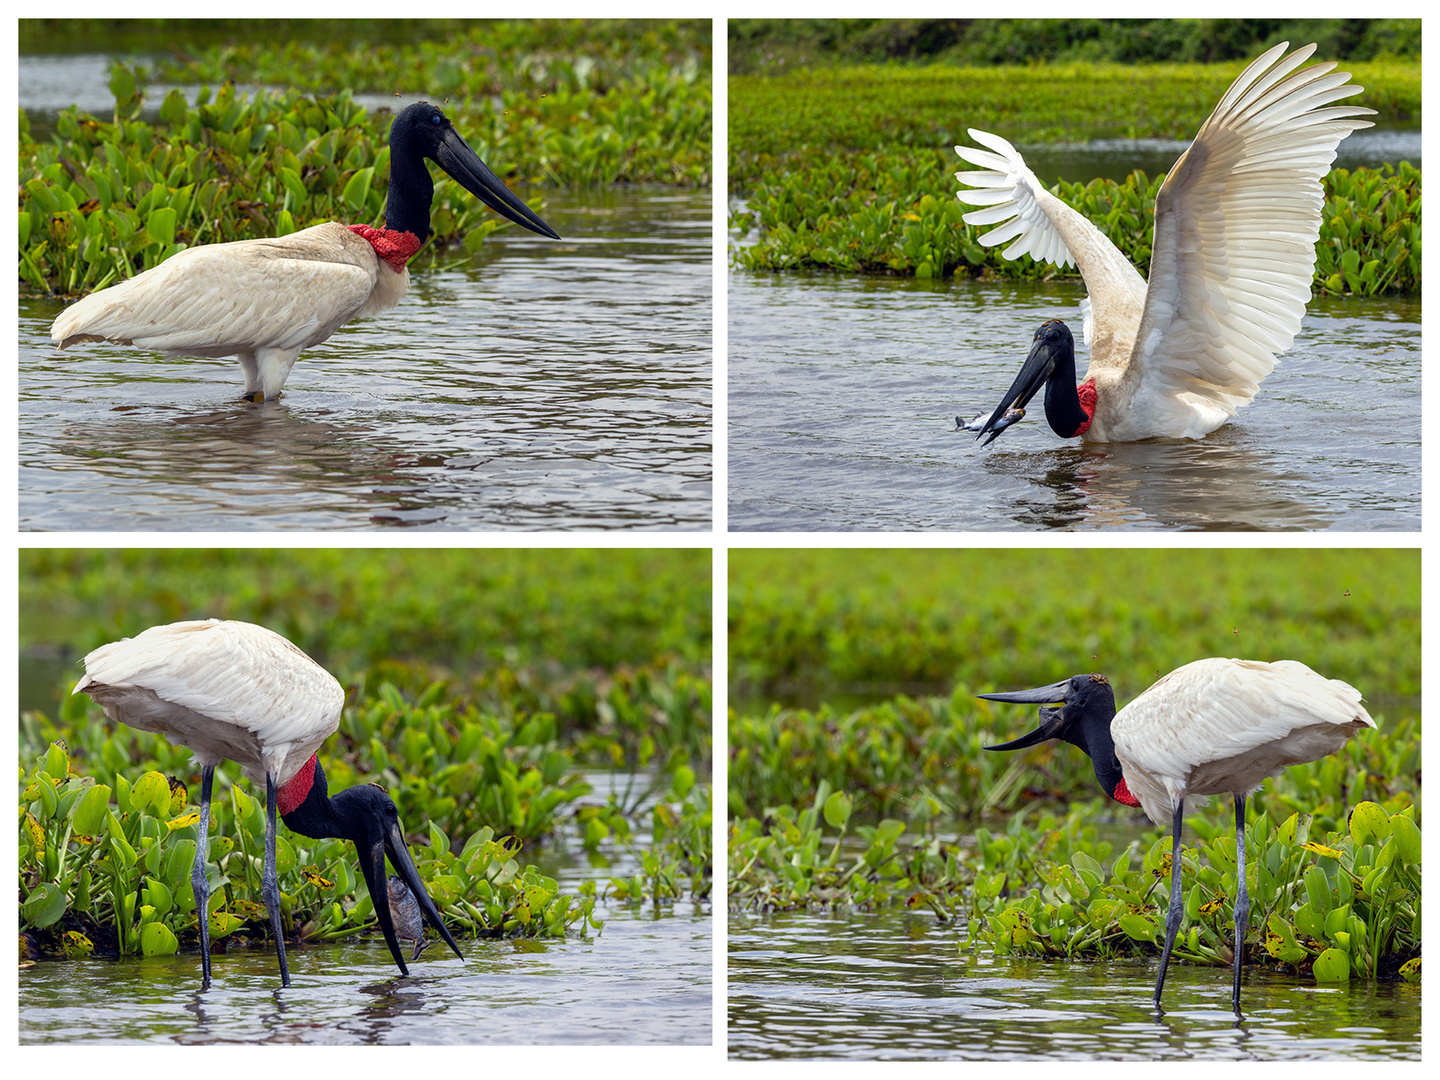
x,y
1172,917
269,881
1242,899
198,881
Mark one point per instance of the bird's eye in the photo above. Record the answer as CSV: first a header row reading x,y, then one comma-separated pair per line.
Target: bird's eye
x,y
435,118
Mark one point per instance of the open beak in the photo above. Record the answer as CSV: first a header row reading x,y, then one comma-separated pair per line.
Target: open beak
x,y
391,841
1034,373
466,169
1051,720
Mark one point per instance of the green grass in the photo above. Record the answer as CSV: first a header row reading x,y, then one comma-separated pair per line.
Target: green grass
x,y
775,46
808,625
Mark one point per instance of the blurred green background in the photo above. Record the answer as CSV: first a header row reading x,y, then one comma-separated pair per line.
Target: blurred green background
x,y
852,627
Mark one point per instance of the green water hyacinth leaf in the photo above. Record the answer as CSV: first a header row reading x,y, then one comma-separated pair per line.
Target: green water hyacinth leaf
x,y
1406,835
1369,823
44,906
161,226
837,809
1332,966
88,815
1280,941
1139,927
357,190
156,939
1317,890
57,761
151,795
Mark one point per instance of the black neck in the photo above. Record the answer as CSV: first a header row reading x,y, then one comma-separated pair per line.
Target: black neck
x,y
1092,734
407,207
1062,400
315,817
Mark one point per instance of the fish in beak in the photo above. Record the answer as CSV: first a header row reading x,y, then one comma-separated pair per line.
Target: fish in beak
x,y
379,836
1051,364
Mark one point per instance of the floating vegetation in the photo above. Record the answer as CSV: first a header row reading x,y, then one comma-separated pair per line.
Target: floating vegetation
x,y
852,168
104,200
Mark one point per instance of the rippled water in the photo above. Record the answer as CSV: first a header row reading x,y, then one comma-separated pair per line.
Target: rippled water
x,y
896,987
843,394
643,980
544,385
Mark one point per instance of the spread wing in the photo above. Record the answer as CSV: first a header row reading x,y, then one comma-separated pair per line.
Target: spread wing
x,y
1036,223
1236,223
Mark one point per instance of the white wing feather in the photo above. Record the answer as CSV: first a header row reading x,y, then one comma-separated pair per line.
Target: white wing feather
x,y
223,299
191,681
1236,223
1220,726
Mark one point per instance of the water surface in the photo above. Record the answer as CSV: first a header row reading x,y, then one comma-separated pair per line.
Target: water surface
x,y
896,987
843,393
541,385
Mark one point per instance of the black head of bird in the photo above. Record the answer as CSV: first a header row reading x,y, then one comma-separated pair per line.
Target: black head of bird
x,y
422,131
368,817
1051,364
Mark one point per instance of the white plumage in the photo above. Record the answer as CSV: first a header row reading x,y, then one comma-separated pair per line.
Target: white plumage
x,y
261,301
1221,727
1236,223
238,691
227,690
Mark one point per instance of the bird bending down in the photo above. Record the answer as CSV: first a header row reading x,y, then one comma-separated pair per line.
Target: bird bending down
x,y
1236,222
1212,727
264,301
241,692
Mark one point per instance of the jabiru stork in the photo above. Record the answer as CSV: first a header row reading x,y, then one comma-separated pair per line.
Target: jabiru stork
x,y
1236,222
264,301
1211,727
241,692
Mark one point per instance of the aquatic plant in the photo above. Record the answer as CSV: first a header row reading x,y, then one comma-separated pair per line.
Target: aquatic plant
x,y
113,864
851,169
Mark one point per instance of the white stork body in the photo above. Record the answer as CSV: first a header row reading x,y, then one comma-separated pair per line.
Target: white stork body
x,y
261,301
236,691
228,690
1212,727
1236,223
1221,727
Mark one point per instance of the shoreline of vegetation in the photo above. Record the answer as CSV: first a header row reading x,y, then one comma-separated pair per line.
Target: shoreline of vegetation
x,y
548,104
851,169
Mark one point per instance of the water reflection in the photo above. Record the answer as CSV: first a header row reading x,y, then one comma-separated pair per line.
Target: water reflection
x,y
898,987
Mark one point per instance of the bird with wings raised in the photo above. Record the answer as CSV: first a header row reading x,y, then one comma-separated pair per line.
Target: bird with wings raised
x,y
1236,223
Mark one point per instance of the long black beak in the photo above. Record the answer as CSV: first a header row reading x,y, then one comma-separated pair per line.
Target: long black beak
x,y
1051,720
466,169
1034,373
389,840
